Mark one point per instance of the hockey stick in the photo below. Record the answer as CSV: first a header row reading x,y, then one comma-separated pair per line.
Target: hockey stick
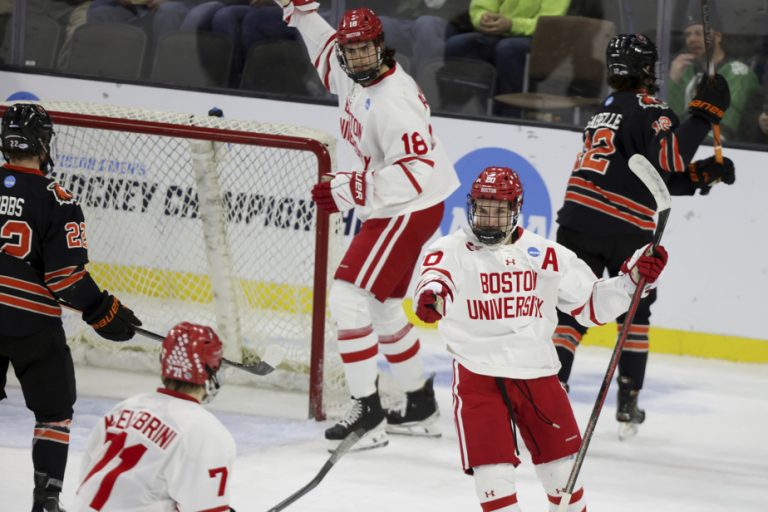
x,y
273,356
338,453
709,47
648,174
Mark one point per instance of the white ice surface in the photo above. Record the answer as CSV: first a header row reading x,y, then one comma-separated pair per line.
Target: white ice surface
x,y
703,447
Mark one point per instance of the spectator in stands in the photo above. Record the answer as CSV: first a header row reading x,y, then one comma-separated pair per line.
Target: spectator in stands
x,y
762,123
417,29
502,36
156,17
688,68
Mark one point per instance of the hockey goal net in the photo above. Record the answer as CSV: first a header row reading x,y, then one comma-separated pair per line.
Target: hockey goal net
x,y
207,220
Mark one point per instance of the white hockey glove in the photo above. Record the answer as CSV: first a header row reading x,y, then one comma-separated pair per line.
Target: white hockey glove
x,y
431,301
645,264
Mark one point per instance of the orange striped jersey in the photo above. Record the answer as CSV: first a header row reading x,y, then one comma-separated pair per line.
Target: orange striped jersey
x,y
603,196
43,252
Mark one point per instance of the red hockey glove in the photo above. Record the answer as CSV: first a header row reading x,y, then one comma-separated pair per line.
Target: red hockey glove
x,y
649,267
111,319
321,195
430,302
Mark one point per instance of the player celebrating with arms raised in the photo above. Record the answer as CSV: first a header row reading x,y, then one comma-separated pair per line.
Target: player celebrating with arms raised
x,y
163,451
497,288
43,253
404,176
608,213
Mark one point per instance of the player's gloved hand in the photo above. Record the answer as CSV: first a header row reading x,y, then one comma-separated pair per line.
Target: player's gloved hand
x,y
430,302
643,265
712,99
704,173
321,195
111,319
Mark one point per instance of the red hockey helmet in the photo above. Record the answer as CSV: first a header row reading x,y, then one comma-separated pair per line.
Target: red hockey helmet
x,y
494,203
360,26
192,353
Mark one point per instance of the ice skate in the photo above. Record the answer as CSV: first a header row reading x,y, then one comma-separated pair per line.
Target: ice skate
x,y
419,415
365,413
628,414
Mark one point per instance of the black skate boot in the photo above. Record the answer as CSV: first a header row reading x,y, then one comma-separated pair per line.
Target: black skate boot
x,y
45,497
628,414
365,413
419,415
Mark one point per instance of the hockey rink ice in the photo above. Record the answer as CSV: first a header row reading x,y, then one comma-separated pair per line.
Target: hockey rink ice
x,y
703,447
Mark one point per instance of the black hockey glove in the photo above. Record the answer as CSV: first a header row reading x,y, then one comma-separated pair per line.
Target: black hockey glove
x,y
111,319
704,173
712,99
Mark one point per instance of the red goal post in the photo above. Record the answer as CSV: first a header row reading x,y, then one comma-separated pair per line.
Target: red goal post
x,y
208,220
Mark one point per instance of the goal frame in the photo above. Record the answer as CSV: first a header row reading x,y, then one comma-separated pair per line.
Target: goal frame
x,y
322,224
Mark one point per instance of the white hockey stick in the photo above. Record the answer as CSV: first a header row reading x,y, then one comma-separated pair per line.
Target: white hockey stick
x,y
650,177
338,453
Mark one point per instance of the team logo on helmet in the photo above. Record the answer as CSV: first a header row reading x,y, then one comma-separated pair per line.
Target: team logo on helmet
x,y
61,195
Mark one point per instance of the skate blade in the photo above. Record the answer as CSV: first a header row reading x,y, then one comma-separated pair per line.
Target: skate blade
x,y
374,438
424,428
627,431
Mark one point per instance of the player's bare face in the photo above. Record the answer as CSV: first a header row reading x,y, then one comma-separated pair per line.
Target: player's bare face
x,y
694,40
490,213
360,56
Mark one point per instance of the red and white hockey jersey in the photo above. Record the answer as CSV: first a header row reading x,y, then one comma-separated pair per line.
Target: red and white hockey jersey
x,y
500,312
157,452
403,166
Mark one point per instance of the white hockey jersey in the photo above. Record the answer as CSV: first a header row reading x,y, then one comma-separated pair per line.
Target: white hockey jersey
x,y
500,312
157,452
387,123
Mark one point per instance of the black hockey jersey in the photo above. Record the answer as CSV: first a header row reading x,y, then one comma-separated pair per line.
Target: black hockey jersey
x,y
43,252
603,196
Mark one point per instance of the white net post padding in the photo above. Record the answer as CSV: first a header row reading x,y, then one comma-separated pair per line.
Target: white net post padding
x,y
212,215
207,220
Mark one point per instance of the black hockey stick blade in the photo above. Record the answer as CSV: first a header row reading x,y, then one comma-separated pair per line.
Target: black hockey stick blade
x,y
272,358
338,453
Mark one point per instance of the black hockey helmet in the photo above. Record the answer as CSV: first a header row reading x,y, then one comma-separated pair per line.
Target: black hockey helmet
x,y
27,128
632,56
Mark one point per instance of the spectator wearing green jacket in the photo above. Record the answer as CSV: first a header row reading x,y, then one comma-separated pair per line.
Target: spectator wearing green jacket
x,y
688,68
502,36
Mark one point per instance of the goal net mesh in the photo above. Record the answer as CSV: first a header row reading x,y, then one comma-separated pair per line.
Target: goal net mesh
x,y
207,220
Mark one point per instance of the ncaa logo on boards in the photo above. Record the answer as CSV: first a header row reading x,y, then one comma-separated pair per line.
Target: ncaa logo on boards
x,y
9,181
537,206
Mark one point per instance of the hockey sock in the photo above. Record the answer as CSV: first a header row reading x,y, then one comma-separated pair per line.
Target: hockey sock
x,y
401,350
632,364
554,477
566,339
358,350
50,446
495,487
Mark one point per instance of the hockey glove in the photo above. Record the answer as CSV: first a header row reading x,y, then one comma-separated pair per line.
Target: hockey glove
x,y
430,302
704,173
712,99
321,195
641,264
111,319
